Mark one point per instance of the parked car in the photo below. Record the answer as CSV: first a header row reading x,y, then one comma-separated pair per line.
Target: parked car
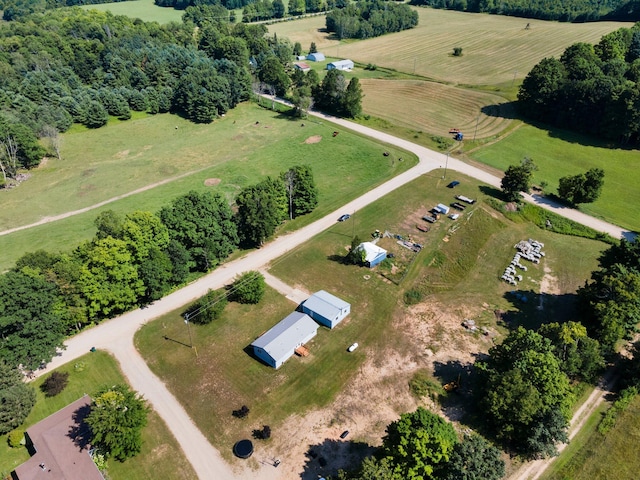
x,y
344,434
453,184
344,217
352,347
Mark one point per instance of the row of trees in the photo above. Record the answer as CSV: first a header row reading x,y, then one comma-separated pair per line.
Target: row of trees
x,y
568,11
370,18
575,189
134,260
422,445
591,89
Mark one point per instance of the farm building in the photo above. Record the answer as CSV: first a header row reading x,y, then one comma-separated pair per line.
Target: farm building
x,y
373,253
280,342
316,57
58,448
302,66
326,309
340,65
301,57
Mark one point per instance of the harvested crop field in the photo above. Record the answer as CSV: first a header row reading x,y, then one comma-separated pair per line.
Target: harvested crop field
x,y
435,108
495,49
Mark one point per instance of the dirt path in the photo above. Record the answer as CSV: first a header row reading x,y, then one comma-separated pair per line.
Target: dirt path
x,y
62,216
534,470
116,335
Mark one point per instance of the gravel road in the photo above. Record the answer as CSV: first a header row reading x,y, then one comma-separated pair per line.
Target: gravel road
x,y
116,335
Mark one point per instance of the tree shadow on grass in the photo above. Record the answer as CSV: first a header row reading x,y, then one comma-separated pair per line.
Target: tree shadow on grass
x,y
326,458
506,110
492,192
532,309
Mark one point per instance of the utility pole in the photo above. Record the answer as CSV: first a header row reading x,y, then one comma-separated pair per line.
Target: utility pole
x,y
186,320
476,131
445,167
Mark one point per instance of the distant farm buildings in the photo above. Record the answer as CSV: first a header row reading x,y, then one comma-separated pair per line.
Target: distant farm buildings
x,y
302,66
373,254
326,309
340,65
316,57
279,343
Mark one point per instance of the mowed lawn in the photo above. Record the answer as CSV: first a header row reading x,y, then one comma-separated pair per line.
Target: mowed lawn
x,y
145,10
161,456
495,49
614,455
558,154
224,375
243,148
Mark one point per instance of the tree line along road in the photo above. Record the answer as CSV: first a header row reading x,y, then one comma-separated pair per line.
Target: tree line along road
x,y
116,335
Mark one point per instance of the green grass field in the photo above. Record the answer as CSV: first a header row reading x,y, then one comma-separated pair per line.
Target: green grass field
x,y
161,456
101,164
145,10
558,153
483,242
496,49
592,455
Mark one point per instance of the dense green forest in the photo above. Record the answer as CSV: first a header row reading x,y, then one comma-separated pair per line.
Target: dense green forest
x,y
565,11
370,18
594,89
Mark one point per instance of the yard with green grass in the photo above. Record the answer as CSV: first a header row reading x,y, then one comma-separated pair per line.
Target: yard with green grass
x,y
145,10
592,455
161,456
245,146
560,153
457,272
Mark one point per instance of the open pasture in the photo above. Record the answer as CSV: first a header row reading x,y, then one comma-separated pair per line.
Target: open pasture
x,y
559,153
435,107
495,49
161,456
145,10
239,150
366,389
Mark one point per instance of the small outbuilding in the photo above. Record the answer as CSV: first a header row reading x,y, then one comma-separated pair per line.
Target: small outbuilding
x,y
373,253
302,66
326,309
279,343
340,65
442,208
316,57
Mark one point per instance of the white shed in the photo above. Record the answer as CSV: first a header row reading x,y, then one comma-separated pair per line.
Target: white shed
x,y
326,309
340,65
373,253
279,343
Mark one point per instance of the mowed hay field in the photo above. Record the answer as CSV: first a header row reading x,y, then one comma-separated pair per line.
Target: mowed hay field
x,y
496,49
435,107
145,10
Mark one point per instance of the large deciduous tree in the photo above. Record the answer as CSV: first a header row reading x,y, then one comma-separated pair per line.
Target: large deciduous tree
x,y
522,383
116,420
16,398
261,208
301,190
582,188
248,288
207,308
417,443
203,224
109,279
31,319
474,459
517,179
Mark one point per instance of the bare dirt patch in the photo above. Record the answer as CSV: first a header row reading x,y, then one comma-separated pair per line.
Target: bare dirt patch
x,y
212,182
313,139
43,162
432,338
122,154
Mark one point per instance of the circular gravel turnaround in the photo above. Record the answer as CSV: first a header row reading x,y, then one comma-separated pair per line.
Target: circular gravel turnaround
x,y
243,449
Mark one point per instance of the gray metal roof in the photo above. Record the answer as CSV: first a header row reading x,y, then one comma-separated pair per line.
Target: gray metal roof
x,y
286,335
325,304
